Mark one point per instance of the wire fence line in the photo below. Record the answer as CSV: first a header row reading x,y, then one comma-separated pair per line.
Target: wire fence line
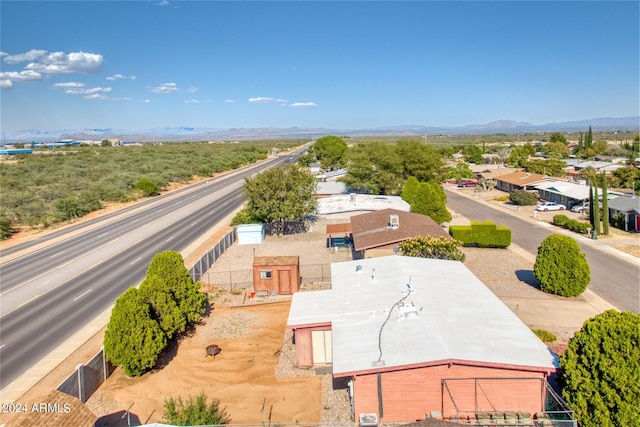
x,y
243,279
207,260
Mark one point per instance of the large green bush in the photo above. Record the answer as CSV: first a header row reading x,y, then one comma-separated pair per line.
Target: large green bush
x,y
483,235
571,224
133,339
523,198
561,267
432,247
601,371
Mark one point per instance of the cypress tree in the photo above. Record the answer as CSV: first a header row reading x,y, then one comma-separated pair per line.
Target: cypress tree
x,y
596,210
580,143
589,139
605,206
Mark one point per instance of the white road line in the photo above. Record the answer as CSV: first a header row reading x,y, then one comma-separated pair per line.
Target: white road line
x,y
56,254
80,296
135,260
170,238
1,346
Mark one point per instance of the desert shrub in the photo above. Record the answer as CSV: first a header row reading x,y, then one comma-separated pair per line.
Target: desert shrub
x,y
146,186
504,198
194,412
523,198
483,235
600,371
545,336
561,267
5,227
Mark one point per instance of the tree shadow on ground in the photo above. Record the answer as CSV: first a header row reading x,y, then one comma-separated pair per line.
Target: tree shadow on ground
x,y
527,276
117,419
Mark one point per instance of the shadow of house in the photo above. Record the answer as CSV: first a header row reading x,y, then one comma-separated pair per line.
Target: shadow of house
x,y
118,419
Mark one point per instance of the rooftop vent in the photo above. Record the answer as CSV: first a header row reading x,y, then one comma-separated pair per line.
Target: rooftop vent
x,y
394,221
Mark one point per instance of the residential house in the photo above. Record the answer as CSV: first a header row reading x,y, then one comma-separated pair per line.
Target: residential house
x,y
346,205
629,208
378,233
416,336
563,192
518,181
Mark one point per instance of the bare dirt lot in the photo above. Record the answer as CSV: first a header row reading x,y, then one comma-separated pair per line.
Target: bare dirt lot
x,y
241,377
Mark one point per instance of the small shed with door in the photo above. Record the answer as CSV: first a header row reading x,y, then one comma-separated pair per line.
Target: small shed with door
x,y
276,274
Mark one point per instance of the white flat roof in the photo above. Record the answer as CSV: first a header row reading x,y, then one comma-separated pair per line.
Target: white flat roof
x,y
360,203
450,314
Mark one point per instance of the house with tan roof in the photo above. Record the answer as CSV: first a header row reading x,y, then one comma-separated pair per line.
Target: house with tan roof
x,y
520,180
378,233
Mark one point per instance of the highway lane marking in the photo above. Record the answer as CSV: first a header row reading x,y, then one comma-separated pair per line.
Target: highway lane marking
x,y
170,239
80,296
56,254
1,346
135,260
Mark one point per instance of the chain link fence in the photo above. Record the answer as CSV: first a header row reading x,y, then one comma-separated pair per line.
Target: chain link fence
x,y
243,279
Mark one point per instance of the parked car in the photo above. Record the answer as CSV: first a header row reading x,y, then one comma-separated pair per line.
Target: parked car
x,y
550,206
467,183
578,208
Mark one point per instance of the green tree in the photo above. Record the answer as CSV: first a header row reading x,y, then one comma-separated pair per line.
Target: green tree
x,y
561,267
549,167
458,172
417,159
595,209
410,190
429,201
588,140
601,371
133,339
519,156
605,205
165,309
169,267
105,143
473,154
558,137
432,247
557,150
331,151
628,177
281,194
195,412
600,147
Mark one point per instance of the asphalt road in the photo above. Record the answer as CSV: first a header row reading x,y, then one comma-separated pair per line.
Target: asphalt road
x,y
614,279
48,293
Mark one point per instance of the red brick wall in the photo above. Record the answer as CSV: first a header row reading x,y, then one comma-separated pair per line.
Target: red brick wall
x,y
409,394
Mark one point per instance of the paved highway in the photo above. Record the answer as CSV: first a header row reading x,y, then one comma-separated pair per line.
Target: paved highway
x,y
614,279
55,285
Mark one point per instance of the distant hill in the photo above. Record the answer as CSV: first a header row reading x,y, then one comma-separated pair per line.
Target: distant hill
x,y
245,134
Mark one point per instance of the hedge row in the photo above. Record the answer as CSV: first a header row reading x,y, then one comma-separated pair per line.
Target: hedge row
x,y
571,224
482,235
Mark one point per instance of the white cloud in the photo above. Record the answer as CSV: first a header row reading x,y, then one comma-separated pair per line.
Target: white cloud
x,y
121,77
32,55
6,84
192,89
166,88
229,101
192,101
67,63
69,85
3,54
21,76
303,104
162,3
263,100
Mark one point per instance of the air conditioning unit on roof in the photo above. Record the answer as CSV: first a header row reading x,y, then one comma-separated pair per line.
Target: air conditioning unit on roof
x,y
369,420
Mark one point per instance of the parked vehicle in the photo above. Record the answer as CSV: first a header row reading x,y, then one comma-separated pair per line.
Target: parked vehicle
x,y
465,183
550,206
578,208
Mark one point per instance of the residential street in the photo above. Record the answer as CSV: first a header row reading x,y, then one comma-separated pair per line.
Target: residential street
x,y
615,276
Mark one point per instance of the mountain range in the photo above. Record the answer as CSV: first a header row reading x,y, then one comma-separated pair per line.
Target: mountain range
x,y
173,134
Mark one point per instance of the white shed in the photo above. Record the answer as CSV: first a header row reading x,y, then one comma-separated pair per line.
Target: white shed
x,y
249,234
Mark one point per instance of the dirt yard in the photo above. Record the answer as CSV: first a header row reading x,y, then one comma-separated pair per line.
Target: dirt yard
x,y
242,377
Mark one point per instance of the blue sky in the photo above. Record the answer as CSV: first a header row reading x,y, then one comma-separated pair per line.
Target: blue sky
x,y
353,64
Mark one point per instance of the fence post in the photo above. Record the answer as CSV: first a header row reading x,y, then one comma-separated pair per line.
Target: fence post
x,y
80,370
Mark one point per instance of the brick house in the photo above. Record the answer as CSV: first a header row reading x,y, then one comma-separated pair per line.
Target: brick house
x,y
415,336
